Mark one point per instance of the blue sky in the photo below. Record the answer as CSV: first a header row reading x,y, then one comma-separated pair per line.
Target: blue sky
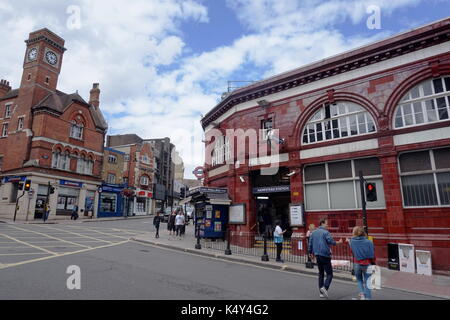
x,y
161,64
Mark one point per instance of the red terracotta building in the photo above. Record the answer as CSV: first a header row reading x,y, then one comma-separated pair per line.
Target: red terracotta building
x,y
49,136
383,108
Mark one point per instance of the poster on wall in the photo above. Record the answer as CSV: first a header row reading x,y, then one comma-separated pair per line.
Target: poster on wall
x,y
217,226
237,214
406,256
207,223
217,214
296,215
208,214
423,261
61,203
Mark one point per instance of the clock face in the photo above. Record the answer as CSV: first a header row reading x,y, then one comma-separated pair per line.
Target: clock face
x,y
51,58
32,54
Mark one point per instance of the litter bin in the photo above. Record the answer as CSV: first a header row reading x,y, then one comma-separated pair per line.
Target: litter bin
x,y
393,257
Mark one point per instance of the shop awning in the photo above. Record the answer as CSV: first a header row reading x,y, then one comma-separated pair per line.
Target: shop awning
x,y
184,201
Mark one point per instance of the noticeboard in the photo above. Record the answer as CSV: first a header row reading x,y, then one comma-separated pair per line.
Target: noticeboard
x,y
237,214
296,215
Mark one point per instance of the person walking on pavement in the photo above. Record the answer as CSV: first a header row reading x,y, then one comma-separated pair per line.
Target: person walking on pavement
x,y
278,239
319,246
156,223
364,255
74,213
171,223
179,223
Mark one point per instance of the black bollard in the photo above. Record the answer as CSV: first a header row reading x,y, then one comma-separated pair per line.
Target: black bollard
x,y
228,250
265,256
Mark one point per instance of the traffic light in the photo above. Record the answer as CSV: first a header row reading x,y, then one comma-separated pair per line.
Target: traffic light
x,y
27,185
52,190
183,193
371,192
20,186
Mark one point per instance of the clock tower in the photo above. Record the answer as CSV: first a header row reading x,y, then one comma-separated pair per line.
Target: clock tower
x,y
42,64
41,69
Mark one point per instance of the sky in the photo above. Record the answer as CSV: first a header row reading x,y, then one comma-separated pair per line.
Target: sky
x,y
162,64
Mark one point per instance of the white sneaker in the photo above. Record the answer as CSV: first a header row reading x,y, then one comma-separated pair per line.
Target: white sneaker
x,y
321,296
324,292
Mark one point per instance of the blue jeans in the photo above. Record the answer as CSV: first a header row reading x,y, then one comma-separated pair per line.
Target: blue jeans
x,y
324,265
362,278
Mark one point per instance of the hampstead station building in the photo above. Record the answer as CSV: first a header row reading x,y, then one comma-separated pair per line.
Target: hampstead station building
x,y
383,109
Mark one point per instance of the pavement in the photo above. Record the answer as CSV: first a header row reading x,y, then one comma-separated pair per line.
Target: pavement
x,y
436,285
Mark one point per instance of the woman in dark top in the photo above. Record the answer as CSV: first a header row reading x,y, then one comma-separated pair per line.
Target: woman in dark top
x,y
171,223
156,223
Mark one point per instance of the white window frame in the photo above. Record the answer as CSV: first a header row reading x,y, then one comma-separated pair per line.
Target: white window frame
x,y
433,171
144,181
422,99
319,118
111,178
20,123
8,110
76,131
5,130
61,161
112,159
328,181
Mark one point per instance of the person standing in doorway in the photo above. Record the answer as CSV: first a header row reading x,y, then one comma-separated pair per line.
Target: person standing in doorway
x,y
74,213
156,223
319,246
364,256
278,239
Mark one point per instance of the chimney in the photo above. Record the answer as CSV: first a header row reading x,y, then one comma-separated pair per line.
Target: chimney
x,y
4,87
95,96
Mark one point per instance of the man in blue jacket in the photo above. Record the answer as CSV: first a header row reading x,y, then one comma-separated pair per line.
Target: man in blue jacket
x,y
319,246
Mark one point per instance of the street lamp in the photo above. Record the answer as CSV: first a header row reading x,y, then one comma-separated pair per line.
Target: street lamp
x,y
198,246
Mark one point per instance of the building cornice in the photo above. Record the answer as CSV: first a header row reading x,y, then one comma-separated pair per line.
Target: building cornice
x,y
396,46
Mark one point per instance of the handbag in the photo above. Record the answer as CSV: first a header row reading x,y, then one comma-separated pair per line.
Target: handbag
x,y
374,281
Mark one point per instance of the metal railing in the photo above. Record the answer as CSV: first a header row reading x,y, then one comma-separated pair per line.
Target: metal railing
x,y
294,249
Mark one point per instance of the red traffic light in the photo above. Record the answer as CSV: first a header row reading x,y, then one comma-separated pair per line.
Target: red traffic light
x,y
370,187
371,192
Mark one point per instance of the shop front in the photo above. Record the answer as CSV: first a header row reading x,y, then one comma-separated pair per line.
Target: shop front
x,y
68,197
111,202
142,202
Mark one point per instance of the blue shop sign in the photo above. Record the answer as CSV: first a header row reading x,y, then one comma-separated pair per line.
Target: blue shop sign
x,y
14,179
71,183
107,187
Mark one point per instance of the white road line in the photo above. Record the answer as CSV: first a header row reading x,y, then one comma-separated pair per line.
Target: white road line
x,y
78,234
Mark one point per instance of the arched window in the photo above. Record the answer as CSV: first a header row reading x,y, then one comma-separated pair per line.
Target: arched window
x,y
60,160
427,102
76,130
336,121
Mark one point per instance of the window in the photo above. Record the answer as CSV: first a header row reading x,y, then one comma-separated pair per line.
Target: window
x,y
112,159
266,126
20,124
144,181
425,177
335,185
145,159
111,178
76,131
108,202
5,130
222,151
85,166
60,160
427,102
8,111
125,181
127,157
341,120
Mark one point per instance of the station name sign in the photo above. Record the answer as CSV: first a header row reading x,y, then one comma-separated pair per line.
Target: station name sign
x,y
274,189
207,190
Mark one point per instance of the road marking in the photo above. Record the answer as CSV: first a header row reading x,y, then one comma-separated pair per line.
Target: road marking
x,y
21,254
80,245
29,244
78,234
108,234
59,255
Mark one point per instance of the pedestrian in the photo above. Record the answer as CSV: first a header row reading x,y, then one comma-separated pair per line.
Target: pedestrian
x,y
46,212
319,246
171,223
363,256
156,223
311,229
267,218
278,239
179,223
74,215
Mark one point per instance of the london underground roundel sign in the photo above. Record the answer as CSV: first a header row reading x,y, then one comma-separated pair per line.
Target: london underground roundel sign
x,y
199,172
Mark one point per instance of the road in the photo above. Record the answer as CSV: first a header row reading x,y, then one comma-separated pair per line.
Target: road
x,y
34,261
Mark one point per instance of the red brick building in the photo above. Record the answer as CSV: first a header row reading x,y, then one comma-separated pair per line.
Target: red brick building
x,y
49,136
383,108
138,170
